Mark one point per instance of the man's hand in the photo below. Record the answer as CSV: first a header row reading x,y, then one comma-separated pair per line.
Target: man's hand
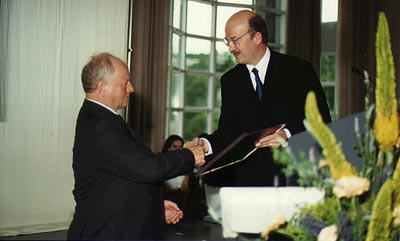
x,y
172,212
274,140
199,142
198,153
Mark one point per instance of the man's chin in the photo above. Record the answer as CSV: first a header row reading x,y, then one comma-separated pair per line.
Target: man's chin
x,y
123,105
239,60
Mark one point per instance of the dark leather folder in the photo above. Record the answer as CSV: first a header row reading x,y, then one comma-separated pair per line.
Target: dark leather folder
x,y
237,150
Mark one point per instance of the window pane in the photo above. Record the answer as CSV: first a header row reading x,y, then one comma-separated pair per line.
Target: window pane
x,y
198,54
177,14
330,97
328,37
237,1
199,19
223,14
194,124
224,58
175,122
217,95
329,11
176,90
272,22
216,119
196,90
270,3
176,60
328,68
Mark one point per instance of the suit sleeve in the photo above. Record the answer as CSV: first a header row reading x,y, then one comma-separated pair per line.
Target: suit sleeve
x,y
126,156
304,81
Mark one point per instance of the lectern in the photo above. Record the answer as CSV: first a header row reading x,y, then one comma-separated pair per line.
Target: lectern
x,y
344,130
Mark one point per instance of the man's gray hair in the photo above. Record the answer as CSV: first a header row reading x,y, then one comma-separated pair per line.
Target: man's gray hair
x,y
98,68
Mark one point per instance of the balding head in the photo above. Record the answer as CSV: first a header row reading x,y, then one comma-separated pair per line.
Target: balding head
x,y
99,67
242,15
105,79
250,20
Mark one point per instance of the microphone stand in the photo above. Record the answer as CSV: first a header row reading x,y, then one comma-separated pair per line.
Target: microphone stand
x,y
370,85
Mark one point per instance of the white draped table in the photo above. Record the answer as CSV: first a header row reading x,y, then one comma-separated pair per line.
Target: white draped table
x,y
253,209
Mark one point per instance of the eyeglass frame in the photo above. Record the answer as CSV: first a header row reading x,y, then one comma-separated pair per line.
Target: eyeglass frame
x,y
234,41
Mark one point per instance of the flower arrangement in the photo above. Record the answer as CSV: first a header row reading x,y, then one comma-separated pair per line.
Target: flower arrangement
x,y
359,204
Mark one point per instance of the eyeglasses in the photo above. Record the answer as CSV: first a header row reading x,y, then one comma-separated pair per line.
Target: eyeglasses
x,y
227,41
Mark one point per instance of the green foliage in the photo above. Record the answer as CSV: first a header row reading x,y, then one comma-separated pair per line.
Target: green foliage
x,y
306,170
327,210
296,233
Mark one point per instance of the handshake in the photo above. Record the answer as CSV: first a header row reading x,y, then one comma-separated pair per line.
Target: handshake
x,y
198,148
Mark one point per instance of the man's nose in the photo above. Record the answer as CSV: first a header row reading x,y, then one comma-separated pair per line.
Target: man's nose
x,y
231,46
130,87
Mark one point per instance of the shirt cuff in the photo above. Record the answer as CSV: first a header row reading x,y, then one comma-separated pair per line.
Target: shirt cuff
x,y
210,151
287,132
288,135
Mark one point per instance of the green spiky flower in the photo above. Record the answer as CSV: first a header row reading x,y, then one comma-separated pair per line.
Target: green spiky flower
x,y
338,164
396,184
379,226
386,122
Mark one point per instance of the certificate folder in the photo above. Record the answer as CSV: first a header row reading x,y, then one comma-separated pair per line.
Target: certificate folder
x,y
238,150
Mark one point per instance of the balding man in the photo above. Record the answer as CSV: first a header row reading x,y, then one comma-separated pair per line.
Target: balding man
x,y
118,179
264,89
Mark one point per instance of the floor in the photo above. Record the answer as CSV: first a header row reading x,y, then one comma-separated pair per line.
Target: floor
x,y
187,230
196,224
191,227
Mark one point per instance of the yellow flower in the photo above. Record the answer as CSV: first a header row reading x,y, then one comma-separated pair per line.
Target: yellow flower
x,y
329,233
350,186
274,226
386,130
386,121
323,163
338,164
396,216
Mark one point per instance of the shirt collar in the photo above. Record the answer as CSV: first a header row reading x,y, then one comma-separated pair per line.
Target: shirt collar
x,y
108,108
262,65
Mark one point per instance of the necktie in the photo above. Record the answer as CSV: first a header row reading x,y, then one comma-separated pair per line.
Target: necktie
x,y
258,83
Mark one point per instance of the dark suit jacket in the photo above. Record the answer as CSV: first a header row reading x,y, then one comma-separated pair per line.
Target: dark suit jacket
x,y
118,179
287,82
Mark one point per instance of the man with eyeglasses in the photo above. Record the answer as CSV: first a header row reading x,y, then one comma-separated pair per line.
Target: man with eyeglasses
x,y
264,89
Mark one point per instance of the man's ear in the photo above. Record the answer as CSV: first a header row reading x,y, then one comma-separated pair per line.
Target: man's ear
x,y
258,37
101,87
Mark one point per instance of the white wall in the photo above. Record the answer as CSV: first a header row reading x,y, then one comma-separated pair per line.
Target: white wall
x,y
43,47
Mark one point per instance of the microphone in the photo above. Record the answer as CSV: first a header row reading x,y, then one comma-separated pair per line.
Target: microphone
x,y
364,73
356,70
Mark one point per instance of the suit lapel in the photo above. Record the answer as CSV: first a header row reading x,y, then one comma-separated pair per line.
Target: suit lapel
x,y
246,84
272,69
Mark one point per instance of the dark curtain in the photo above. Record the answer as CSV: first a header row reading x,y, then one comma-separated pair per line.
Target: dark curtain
x,y
357,23
146,111
303,30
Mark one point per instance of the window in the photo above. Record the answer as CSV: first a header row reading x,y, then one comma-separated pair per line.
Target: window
x,y
329,11
198,57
